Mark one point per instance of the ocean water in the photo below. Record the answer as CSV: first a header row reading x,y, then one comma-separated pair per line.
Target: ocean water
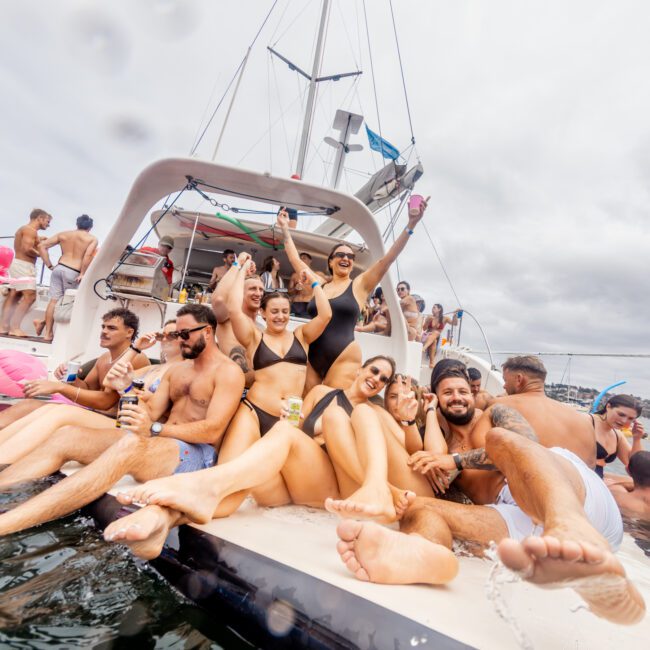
x,y
62,585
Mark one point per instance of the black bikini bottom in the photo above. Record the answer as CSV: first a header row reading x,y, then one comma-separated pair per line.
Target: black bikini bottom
x,y
266,420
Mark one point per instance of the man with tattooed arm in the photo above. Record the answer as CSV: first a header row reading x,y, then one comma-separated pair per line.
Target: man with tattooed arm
x,y
555,523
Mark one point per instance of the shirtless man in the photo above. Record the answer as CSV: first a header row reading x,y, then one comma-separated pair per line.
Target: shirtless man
x,y
22,273
556,527
633,497
219,271
77,250
482,399
201,395
299,293
409,309
253,293
119,327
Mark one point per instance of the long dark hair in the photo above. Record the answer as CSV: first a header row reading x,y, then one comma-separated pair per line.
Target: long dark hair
x,y
627,401
331,255
267,265
383,357
442,311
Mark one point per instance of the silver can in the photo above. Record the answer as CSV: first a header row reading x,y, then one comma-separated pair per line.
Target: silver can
x,y
72,370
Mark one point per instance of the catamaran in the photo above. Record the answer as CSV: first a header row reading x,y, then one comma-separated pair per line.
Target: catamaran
x,y
274,574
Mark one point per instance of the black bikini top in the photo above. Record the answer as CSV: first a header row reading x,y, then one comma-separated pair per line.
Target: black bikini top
x,y
341,399
601,452
265,357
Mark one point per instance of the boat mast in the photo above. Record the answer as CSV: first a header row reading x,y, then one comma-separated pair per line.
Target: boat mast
x,y
311,95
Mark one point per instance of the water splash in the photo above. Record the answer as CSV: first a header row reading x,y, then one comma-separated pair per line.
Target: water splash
x,y
500,575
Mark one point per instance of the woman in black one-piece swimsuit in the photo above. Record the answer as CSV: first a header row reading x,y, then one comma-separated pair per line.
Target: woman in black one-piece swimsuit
x,y
335,356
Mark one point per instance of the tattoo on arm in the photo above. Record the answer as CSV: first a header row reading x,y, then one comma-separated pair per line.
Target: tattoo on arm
x,y
507,418
238,355
476,459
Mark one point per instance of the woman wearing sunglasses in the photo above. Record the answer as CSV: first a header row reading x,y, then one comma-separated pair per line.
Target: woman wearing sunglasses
x,y
342,456
335,356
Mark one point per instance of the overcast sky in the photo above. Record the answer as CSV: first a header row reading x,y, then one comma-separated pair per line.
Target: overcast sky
x,y
531,121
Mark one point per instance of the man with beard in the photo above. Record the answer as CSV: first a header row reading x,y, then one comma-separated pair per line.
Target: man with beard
x,y
253,292
553,519
201,396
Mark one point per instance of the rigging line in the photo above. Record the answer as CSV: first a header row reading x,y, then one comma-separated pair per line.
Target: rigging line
x,y
347,34
617,355
435,250
282,111
306,6
280,19
268,94
372,71
401,69
239,67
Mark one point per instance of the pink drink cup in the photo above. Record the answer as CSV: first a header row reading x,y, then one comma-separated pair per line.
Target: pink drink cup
x,y
414,204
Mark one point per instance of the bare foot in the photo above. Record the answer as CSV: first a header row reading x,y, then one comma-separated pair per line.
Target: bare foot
x,y
593,571
190,493
402,499
377,554
17,332
368,502
143,531
39,324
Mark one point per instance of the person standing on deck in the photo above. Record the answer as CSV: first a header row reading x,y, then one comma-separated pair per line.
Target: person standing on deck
x,y
77,250
22,286
164,248
219,271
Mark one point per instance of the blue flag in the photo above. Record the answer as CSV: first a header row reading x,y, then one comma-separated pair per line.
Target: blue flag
x,y
384,147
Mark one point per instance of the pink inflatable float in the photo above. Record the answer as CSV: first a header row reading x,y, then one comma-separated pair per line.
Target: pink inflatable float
x,y
16,366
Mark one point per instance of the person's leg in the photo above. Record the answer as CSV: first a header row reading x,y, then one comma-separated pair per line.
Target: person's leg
x,y
571,551
48,334
143,458
370,470
22,307
8,307
35,432
202,495
65,444
17,411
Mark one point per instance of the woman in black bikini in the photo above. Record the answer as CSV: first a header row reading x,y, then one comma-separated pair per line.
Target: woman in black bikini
x,y
311,472
620,412
335,356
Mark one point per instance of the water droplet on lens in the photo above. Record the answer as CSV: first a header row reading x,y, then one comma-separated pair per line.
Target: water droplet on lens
x,y
280,617
415,641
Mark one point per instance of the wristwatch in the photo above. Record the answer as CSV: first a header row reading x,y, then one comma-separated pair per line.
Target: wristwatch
x,y
156,429
408,423
458,461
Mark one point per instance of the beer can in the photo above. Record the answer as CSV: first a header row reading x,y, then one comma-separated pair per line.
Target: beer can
x,y
138,383
72,370
125,399
294,405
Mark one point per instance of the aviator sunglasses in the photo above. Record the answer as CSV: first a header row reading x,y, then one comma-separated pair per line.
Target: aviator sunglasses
x,y
382,378
184,335
341,255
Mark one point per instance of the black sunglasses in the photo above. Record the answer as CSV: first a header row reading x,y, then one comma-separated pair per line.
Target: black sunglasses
x,y
382,378
185,334
341,255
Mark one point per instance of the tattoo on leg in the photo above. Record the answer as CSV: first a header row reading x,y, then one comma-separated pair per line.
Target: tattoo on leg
x,y
476,459
507,418
238,355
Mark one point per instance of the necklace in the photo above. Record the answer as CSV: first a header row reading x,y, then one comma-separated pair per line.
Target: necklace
x,y
121,354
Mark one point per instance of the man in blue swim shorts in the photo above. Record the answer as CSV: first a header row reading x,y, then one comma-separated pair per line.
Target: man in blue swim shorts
x,y
198,396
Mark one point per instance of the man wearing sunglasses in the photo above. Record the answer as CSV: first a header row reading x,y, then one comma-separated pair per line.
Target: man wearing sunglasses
x,y
198,397
409,309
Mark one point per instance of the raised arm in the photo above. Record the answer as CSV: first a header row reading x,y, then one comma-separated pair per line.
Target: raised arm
x,y
434,438
242,326
370,278
289,247
316,326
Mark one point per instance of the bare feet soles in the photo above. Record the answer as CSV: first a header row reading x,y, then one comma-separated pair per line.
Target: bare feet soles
x,y
377,554
594,572
368,502
182,492
143,531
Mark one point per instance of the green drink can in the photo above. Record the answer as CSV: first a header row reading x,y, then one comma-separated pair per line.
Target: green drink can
x,y
294,406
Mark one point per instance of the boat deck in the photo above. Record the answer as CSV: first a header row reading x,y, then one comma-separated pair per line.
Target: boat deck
x,y
304,540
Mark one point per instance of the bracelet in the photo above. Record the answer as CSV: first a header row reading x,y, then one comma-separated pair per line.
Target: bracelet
x,y
431,409
408,231
76,397
408,423
235,263
315,284
135,349
458,461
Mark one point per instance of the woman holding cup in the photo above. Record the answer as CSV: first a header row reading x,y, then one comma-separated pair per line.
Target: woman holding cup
x,y
334,357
